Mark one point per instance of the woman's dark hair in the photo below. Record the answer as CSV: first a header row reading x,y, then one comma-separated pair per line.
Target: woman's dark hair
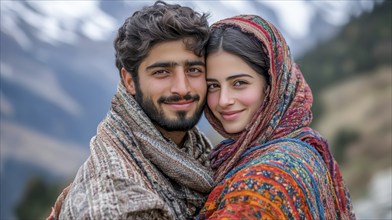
x,y
158,23
246,46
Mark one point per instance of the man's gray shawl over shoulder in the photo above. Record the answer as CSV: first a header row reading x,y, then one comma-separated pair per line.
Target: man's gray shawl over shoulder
x,y
134,172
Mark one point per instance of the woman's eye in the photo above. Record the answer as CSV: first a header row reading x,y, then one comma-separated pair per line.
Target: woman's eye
x,y
212,86
240,83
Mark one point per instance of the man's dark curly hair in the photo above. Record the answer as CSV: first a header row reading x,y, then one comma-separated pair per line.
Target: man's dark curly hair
x,y
158,23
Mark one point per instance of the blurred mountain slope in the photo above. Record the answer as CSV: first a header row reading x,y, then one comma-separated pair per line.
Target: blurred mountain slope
x,y
357,121
28,154
351,79
362,45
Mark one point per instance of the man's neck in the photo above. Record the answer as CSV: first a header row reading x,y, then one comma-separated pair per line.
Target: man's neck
x,y
178,137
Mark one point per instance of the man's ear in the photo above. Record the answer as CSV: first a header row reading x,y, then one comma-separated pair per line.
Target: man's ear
x,y
128,81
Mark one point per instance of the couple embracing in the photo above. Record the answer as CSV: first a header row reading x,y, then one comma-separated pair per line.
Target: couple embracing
x,y
148,159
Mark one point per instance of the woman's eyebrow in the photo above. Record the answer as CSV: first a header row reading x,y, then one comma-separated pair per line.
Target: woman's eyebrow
x,y
238,76
211,80
231,77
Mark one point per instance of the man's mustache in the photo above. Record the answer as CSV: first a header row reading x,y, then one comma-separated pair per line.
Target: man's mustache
x,y
176,98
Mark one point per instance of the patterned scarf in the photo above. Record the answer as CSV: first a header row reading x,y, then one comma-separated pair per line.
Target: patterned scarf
x,y
129,152
191,163
286,110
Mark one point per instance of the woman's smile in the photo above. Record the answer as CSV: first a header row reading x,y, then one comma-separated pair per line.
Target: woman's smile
x,y
231,115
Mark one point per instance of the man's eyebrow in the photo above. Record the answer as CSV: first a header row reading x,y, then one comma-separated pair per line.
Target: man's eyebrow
x,y
161,64
171,64
194,63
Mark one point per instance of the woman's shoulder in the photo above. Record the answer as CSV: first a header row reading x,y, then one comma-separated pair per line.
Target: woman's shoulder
x,y
289,163
285,173
283,146
281,154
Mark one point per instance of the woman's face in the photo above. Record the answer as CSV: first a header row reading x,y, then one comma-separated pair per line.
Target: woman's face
x,y
235,90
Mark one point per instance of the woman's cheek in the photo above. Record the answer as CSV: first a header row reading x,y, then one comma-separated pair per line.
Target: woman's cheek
x,y
211,100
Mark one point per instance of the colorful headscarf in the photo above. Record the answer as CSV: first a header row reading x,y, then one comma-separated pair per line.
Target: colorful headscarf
x,y
286,111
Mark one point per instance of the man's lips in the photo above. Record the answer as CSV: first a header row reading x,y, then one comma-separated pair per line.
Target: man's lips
x,y
230,115
181,105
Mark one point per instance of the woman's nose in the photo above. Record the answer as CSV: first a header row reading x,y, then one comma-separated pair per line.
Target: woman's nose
x,y
226,98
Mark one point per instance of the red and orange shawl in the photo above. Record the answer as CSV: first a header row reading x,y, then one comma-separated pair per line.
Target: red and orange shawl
x,y
278,167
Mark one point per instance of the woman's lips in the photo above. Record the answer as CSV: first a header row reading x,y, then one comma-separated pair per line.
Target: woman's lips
x,y
230,115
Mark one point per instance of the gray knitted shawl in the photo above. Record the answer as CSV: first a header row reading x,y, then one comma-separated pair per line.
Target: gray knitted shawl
x,y
134,172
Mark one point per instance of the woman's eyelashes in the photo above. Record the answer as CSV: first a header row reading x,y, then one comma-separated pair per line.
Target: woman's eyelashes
x,y
212,86
240,83
237,84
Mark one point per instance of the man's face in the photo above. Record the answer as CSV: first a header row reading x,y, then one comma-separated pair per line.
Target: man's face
x,y
172,86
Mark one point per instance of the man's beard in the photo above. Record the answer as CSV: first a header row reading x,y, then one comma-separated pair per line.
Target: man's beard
x,y
158,117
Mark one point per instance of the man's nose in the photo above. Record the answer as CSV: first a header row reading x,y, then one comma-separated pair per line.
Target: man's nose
x,y
180,83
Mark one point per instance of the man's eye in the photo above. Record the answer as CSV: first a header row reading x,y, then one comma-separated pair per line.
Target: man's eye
x,y
195,71
160,72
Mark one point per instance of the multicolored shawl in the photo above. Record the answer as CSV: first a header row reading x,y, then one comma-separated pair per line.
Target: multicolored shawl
x,y
285,113
134,172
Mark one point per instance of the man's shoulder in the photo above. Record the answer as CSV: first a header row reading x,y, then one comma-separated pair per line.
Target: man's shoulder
x,y
108,185
109,162
108,168
108,197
